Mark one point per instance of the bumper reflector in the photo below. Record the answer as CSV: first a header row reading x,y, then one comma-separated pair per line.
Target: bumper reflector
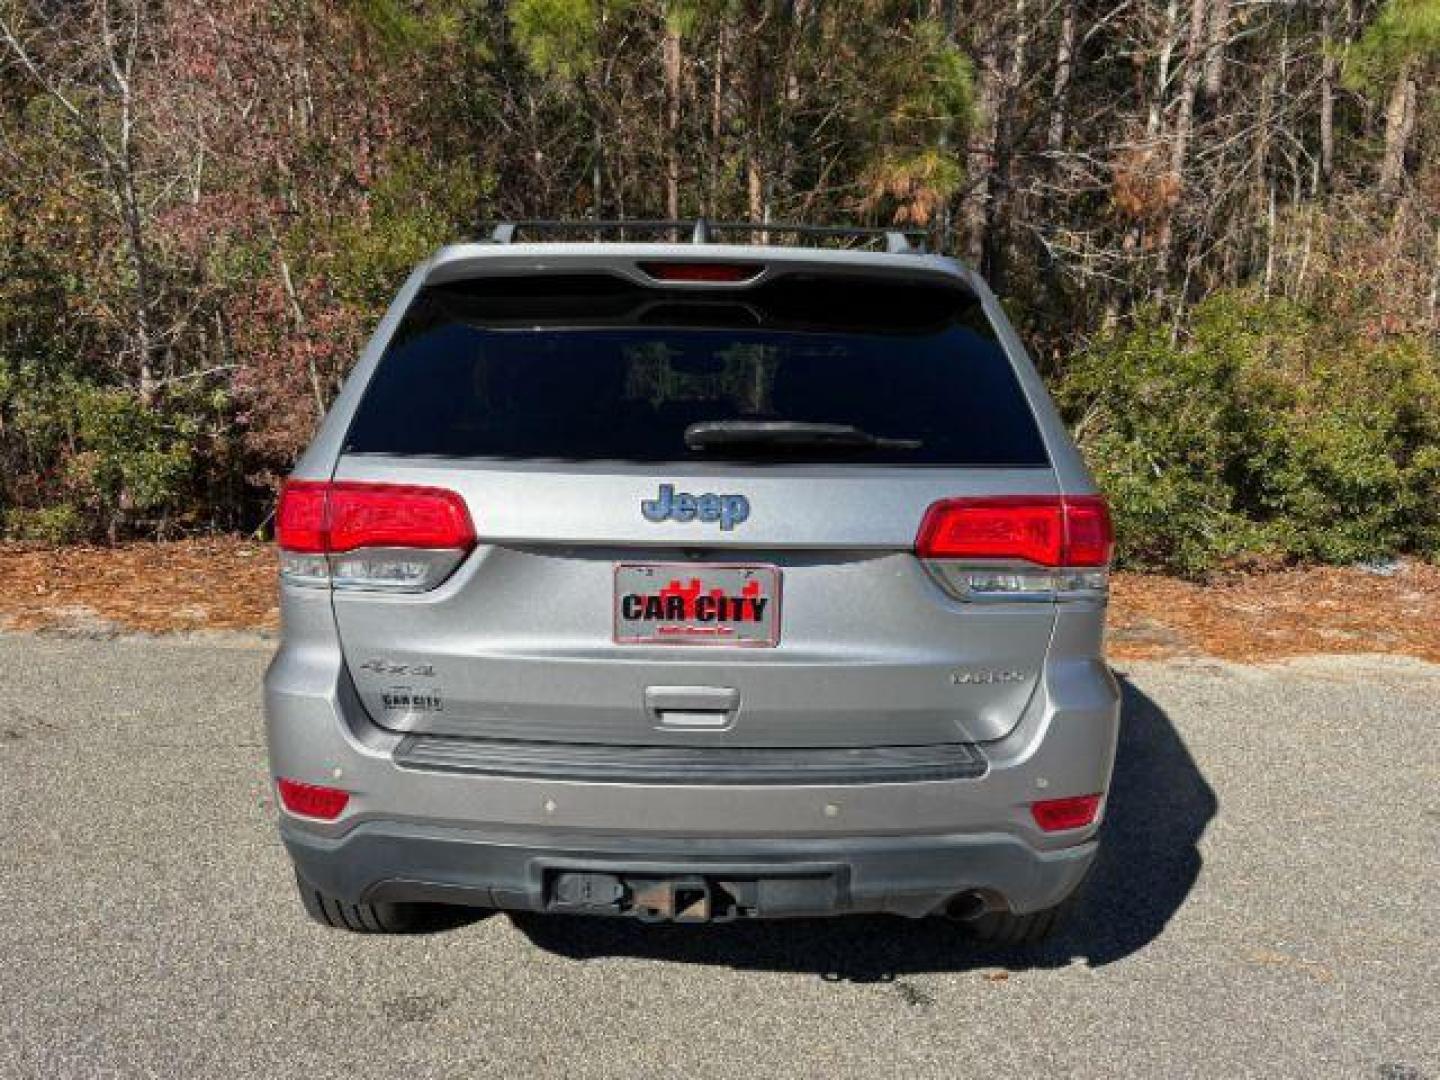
x,y
312,800
1074,812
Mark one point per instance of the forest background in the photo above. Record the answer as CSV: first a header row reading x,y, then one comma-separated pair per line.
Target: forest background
x,y
1216,223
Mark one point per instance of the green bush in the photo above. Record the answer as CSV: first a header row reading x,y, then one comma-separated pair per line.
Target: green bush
x,y
416,205
135,458
1265,431
105,460
59,524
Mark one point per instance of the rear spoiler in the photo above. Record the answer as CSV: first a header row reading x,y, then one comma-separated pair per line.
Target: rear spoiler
x,y
704,231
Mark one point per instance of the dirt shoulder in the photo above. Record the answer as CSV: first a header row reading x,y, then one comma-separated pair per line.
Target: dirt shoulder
x,y
228,584
190,585
1268,616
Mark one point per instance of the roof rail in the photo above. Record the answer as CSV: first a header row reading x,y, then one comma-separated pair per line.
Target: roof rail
x,y
703,231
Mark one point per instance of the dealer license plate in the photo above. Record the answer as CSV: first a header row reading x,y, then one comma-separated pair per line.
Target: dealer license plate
x,y
697,604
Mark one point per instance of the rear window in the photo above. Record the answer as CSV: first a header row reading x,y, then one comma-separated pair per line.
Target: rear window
x,y
590,368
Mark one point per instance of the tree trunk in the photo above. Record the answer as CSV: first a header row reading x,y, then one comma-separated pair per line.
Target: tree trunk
x,y
1329,72
1156,114
1270,243
121,167
1180,136
757,98
717,124
1189,87
672,62
1215,48
591,99
979,155
754,185
1435,290
997,224
1262,191
139,258
1064,68
1399,124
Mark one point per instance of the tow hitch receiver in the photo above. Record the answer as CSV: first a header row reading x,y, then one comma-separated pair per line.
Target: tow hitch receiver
x,y
688,898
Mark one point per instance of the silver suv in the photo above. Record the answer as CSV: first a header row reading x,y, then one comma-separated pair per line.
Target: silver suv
x,y
692,581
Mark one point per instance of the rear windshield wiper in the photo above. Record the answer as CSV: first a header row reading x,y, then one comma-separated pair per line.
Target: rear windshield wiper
x,y
800,434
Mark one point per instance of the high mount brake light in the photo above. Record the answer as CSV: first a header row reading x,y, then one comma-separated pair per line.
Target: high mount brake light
x,y
963,541
396,537
701,271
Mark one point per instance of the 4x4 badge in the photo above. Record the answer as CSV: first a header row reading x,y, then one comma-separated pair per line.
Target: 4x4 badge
x,y
728,510
986,676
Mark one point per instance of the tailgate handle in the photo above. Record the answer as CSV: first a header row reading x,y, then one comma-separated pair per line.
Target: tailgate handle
x,y
692,706
691,698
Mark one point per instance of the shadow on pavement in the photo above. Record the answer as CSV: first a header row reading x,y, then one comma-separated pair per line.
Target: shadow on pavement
x,y
1159,807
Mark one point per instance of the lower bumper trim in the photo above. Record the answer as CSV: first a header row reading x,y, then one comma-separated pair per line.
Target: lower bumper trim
x,y
907,875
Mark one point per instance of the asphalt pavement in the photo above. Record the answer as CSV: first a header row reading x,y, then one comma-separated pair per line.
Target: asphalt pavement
x,y
1265,906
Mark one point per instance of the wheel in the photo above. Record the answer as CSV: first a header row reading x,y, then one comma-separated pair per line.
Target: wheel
x,y
330,911
1007,928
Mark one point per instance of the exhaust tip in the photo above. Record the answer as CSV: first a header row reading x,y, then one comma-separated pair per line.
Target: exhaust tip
x,y
966,906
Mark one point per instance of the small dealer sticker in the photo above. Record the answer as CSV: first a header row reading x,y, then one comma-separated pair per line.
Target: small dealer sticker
x,y
409,699
697,604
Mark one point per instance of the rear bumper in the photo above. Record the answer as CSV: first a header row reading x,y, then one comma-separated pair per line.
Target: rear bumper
x,y
910,875
429,830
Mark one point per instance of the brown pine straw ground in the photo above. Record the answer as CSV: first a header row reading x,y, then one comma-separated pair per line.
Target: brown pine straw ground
x,y
229,584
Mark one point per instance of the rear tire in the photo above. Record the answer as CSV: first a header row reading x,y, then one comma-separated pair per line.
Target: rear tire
x,y
381,918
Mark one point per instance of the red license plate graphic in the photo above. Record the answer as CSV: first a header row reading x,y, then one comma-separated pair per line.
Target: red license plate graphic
x,y
697,604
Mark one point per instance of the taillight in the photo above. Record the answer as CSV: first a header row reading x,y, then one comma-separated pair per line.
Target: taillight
x,y
1073,812
701,271
312,800
966,543
300,517
397,537
1089,536
1024,528
391,515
